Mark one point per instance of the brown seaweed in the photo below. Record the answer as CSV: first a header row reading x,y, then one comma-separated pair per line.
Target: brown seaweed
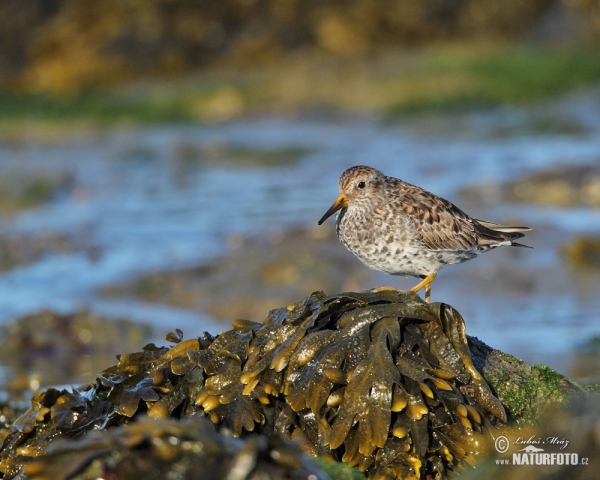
x,y
381,381
189,449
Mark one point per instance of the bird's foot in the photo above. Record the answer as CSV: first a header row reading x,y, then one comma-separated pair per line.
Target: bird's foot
x,y
385,288
397,290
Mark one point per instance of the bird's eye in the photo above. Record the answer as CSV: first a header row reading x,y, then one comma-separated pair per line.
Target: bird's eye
x,y
361,185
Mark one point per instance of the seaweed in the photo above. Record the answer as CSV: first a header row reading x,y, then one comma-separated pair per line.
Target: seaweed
x,y
159,449
381,381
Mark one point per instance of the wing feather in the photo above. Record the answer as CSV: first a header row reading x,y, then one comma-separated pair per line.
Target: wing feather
x,y
441,225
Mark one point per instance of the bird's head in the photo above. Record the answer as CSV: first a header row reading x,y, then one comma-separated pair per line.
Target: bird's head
x,y
360,187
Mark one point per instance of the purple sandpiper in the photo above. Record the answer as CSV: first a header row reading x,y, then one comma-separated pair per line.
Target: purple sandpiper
x,y
401,229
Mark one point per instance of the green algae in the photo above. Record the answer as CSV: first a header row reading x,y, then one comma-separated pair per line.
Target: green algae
x,y
523,389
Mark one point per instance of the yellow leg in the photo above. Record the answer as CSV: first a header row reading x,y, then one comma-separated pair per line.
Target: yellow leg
x,y
428,293
425,283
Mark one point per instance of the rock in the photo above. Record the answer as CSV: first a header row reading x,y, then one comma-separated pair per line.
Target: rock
x,y
523,389
566,445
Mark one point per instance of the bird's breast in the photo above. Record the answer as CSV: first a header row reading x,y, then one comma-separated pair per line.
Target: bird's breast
x,y
369,238
387,246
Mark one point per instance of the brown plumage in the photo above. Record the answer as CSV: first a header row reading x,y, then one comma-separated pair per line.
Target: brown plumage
x,y
401,229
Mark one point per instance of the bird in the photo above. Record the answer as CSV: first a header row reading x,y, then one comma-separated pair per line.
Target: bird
x,y
401,229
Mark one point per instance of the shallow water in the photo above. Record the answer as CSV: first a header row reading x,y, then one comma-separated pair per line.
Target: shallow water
x,y
143,200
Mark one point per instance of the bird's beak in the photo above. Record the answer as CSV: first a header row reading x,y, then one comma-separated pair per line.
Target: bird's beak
x,y
340,203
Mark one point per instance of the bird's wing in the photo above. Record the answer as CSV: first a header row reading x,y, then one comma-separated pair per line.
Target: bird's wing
x,y
440,224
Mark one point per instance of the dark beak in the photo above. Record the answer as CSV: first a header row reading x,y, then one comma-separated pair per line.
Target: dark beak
x,y
340,203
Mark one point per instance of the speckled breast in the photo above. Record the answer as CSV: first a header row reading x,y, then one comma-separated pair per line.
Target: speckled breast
x,y
390,250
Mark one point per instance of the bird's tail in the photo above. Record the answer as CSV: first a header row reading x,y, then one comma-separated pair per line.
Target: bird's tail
x,y
505,233
515,244
502,228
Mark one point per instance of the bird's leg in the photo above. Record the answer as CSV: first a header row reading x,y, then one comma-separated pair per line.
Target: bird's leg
x,y
425,283
428,293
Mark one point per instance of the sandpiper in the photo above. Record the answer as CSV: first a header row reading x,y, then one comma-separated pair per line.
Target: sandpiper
x,y
401,229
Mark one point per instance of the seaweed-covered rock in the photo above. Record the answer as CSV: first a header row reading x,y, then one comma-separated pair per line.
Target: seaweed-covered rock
x,y
523,389
159,449
381,381
569,432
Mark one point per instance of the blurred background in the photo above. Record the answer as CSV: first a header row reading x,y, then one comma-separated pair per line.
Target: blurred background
x,y
163,165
